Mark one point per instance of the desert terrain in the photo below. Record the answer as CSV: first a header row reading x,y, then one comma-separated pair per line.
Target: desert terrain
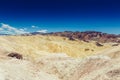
x,y
49,57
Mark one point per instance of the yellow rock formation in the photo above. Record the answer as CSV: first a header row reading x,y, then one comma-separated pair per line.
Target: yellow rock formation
x,y
38,45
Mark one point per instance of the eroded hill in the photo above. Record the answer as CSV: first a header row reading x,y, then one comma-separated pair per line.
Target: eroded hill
x,y
88,36
37,45
57,58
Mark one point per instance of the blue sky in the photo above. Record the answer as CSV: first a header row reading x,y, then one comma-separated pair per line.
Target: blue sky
x,y
61,15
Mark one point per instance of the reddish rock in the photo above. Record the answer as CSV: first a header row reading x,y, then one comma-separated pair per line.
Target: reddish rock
x,y
88,36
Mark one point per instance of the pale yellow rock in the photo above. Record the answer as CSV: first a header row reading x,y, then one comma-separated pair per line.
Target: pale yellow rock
x,y
35,45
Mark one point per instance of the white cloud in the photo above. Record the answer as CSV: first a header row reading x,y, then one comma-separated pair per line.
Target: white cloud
x,y
7,29
21,29
1,29
34,26
43,31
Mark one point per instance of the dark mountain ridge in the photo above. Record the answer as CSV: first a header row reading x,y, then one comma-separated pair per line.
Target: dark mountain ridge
x,y
84,36
88,36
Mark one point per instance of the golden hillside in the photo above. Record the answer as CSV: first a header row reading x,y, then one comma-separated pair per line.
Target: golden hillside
x,y
35,46
44,59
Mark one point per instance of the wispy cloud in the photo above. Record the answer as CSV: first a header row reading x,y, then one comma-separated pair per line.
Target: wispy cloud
x,y
34,26
43,31
1,29
7,29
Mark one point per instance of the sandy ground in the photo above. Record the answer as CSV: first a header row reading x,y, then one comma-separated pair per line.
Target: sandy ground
x,y
56,67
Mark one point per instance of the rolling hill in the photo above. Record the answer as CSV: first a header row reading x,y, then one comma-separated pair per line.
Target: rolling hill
x,y
50,57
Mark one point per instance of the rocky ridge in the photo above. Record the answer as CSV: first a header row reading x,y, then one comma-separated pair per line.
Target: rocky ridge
x,y
89,36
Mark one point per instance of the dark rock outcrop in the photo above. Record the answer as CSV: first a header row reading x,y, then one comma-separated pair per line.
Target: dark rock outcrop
x,y
98,44
71,38
15,55
84,36
88,36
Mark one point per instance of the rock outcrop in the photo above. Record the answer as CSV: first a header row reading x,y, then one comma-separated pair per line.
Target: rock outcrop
x,y
89,36
15,55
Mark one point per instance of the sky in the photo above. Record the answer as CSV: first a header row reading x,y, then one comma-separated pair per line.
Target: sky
x,y
24,16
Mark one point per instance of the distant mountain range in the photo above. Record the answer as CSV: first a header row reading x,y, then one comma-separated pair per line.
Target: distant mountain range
x,y
89,36
85,36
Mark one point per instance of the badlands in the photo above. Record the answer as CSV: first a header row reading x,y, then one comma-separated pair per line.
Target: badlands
x,y
49,57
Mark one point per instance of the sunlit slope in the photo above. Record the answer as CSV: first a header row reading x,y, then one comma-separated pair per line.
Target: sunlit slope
x,y
43,59
40,45
113,52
